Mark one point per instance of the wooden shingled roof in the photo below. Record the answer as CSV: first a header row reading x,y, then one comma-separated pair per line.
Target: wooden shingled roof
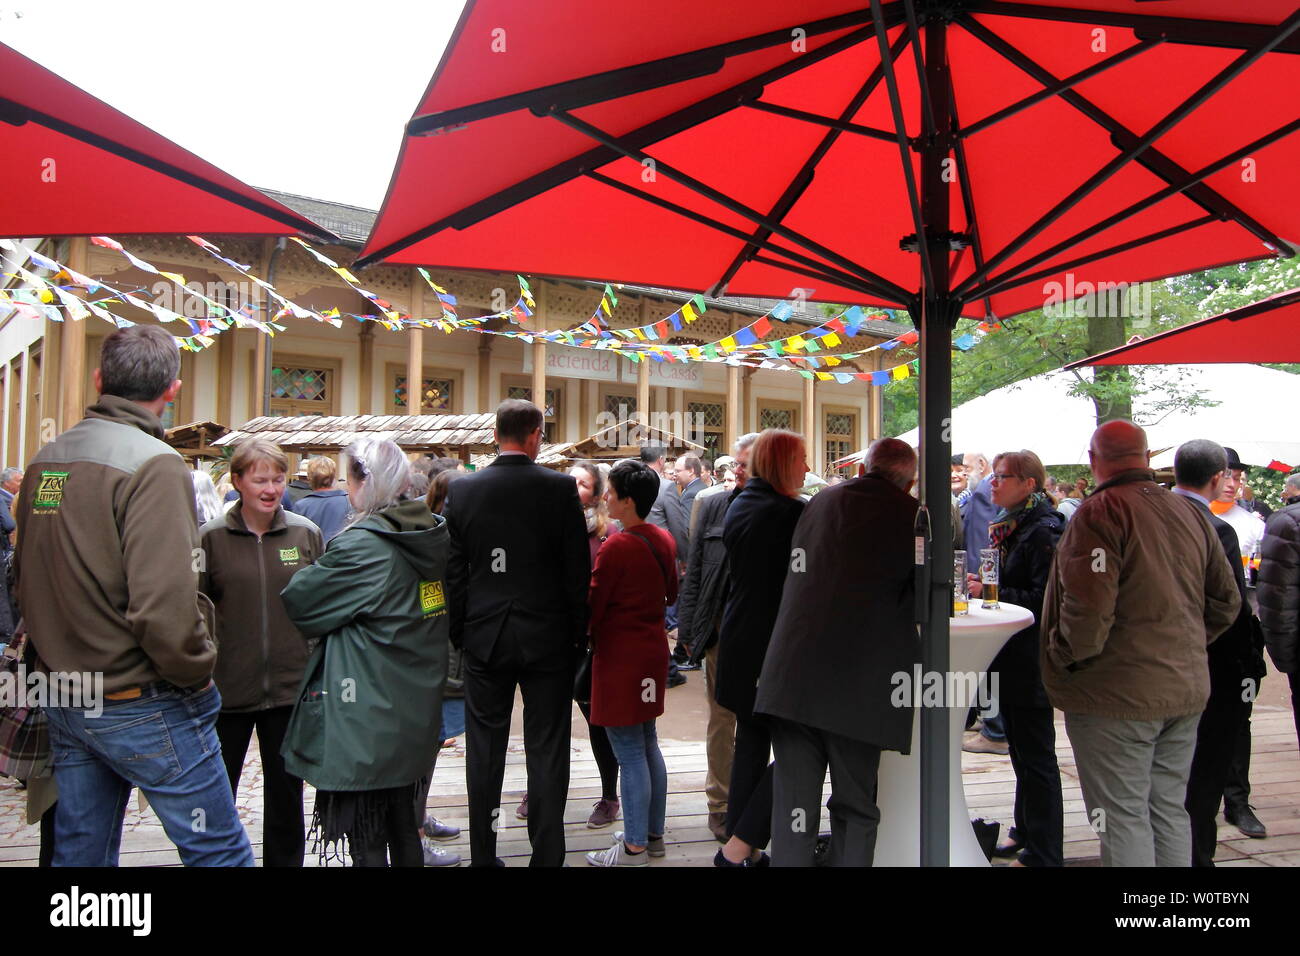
x,y
622,440
439,434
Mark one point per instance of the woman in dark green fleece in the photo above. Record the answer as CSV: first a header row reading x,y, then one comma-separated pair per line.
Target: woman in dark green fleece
x,y
365,728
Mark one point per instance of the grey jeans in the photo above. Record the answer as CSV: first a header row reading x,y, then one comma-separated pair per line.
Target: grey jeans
x,y
1134,779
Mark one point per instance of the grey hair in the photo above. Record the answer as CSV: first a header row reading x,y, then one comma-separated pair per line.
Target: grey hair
x,y
1197,461
9,474
1293,482
139,363
893,460
207,503
744,441
382,470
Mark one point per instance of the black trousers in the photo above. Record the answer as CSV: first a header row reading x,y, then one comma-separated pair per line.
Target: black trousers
x,y
283,832
1294,681
1216,748
1039,813
603,751
547,688
1236,794
395,843
802,755
749,796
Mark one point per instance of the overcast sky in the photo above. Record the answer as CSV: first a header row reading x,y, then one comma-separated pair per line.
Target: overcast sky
x,y
305,96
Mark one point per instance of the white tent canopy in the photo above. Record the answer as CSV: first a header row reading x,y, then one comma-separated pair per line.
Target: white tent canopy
x,y
1254,416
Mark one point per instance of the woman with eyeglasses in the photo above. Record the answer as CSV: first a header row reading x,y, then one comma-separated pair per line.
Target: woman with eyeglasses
x,y
1026,530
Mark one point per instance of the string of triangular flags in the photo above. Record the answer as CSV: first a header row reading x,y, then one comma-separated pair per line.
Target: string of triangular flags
x,y
742,347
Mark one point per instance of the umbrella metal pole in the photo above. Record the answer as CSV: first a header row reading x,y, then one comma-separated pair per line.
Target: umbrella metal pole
x,y
938,313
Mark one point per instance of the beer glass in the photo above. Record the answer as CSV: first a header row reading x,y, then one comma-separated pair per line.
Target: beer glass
x,y
989,567
960,596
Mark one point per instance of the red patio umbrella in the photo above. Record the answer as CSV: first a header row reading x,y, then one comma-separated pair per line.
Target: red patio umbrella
x,y
950,157
1264,331
71,165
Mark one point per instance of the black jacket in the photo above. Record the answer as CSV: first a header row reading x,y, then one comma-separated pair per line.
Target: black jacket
x,y
1279,588
1023,581
847,620
704,589
672,512
519,562
756,534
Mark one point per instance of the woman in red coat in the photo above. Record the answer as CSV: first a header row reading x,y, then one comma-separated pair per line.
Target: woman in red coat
x,y
632,582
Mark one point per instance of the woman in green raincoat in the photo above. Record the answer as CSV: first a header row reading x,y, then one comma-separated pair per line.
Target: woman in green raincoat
x,y
365,727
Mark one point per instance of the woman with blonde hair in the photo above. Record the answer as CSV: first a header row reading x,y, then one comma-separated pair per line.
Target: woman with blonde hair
x,y
365,728
250,554
757,533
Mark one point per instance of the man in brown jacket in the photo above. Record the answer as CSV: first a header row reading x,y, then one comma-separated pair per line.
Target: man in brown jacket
x,y
107,567
1140,586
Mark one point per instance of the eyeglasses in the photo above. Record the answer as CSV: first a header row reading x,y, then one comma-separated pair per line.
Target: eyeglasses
x,y
1001,477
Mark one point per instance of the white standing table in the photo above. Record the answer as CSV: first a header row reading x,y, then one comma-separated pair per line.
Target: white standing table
x,y
975,640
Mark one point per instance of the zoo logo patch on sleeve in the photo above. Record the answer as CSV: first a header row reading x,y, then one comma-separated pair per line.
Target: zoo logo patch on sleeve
x,y
432,600
49,491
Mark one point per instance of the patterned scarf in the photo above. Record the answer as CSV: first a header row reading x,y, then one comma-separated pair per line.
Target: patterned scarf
x,y
1004,524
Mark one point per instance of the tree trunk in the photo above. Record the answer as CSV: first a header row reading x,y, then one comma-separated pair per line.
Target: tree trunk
x,y
1107,332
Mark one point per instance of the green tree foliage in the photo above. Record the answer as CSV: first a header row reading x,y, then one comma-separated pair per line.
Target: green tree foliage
x,y
1049,338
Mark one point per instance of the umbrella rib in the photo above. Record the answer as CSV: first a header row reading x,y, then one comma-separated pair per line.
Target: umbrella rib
x,y
818,120
1220,33
900,129
725,201
666,126
16,114
625,81
1017,281
805,175
967,193
1175,116
1060,86
827,271
1137,207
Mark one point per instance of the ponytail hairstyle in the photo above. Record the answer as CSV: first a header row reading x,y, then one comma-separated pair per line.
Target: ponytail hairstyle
x,y
382,471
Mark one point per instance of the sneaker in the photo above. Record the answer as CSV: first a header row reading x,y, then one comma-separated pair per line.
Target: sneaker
x,y
654,845
617,855
977,743
438,831
676,680
605,813
435,855
521,811
687,666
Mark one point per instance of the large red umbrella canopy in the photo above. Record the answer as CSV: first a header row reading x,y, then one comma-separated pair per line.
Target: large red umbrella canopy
x,y
509,163
1265,331
71,165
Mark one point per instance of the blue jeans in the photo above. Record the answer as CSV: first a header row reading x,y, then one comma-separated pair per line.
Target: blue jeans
x,y
644,780
163,742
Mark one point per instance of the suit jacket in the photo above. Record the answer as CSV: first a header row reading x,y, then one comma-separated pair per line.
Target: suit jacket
x,y
672,512
847,620
756,534
704,587
520,561
1233,656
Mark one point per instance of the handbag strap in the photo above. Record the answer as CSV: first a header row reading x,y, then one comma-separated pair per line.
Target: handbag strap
x,y
654,554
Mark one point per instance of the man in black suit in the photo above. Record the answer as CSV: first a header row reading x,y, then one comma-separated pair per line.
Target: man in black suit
x,y
1199,470
845,629
517,579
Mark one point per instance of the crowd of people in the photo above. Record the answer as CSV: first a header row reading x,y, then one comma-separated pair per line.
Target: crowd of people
x,y
358,630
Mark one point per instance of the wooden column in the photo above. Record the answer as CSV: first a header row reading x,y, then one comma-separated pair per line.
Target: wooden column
x,y
414,371
875,405
366,370
643,392
226,376
539,355
733,407
746,398
72,353
485,403
811,440
261,354
50,410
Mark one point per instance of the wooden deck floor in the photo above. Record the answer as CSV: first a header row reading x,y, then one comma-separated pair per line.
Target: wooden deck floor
x,y
989,784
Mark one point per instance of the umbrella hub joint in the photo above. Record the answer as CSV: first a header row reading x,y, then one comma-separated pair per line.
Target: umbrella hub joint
x,y
952,241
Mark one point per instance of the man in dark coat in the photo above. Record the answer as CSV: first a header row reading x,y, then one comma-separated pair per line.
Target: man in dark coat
x,y
699,615
846,627
1199,468
517,584
672,512
1279,589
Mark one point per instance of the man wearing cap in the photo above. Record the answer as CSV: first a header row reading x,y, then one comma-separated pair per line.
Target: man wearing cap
x,y
300,487
1250,532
